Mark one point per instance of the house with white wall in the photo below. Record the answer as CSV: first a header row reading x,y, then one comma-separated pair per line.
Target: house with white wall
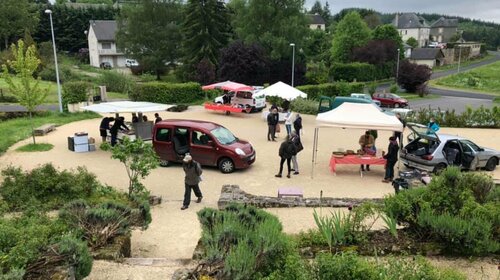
x,y
411,25
316,22
101,38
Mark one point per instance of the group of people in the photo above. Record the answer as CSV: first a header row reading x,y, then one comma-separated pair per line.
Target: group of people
x,y
119,125
290,121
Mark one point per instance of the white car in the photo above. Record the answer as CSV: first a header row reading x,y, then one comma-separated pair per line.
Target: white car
x,y
245,99
131,62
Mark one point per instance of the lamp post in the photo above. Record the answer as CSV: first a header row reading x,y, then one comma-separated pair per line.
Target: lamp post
x,y
49,12
293,61
397,67
459,57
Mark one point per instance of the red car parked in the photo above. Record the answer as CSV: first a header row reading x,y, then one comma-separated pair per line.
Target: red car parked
x,y
207,142
390,100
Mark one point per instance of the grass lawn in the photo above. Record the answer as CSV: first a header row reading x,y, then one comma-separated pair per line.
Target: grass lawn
x,y
52,87
15,130
38,147
462,64
484,79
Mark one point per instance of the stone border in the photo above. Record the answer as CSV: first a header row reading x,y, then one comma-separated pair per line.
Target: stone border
x,y
233,194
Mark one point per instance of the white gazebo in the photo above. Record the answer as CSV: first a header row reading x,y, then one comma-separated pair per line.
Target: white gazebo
x,y
284,91
127,107
357,116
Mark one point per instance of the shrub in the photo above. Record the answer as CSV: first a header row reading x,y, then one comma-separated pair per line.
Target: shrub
x,y
304,106
74,92
45,186
65,74
355,71
413,269
470,235
412,75
405,206
116,82
7,98
481,117
344,267
394,88
331,89
167,93
294,269
317,73
248,243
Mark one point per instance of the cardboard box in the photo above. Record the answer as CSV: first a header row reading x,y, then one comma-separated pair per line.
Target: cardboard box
x,y
91,147
91,140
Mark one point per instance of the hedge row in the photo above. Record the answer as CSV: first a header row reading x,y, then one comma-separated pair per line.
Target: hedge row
x,y
167,93
331,89
361,72
75,91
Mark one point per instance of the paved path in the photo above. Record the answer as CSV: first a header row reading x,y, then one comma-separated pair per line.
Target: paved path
x,y
19,108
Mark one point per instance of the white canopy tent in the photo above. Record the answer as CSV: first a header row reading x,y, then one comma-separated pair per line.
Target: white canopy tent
x,y
283,90
357,116
127,107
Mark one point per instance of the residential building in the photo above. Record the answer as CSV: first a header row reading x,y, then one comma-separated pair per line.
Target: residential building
x,y
407,49
443,29
102,44
316,22
475,47
427,56
411,25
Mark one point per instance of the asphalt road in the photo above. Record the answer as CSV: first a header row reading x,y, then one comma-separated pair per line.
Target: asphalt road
x,y
469,67
18,108
459,104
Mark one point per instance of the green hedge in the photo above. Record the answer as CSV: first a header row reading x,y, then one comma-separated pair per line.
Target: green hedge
x,y
356,71
167,93
331,89
74,92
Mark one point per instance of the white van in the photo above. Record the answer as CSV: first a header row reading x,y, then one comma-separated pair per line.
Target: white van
x,y
246,99
131,62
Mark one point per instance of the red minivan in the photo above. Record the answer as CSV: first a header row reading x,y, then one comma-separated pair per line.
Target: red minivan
x,y
207,142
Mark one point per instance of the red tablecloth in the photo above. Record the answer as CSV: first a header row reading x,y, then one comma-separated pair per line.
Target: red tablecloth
x,y
354,159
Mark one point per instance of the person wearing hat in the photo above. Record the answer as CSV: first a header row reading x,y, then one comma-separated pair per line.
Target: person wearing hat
x,y
193,171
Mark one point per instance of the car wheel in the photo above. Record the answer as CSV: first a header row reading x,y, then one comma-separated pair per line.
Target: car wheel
x,y
164,163
226,165
439,168
491,164
396,105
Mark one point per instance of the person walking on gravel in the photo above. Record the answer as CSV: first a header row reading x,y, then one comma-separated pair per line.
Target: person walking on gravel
x,y
193,172
286,152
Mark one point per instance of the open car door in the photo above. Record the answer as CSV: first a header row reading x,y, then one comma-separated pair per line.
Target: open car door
x,y
470,158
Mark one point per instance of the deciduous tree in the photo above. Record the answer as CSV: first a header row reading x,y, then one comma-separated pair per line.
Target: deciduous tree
x,y
412,42
25,87
351,32
244,63
150,33
413,76
16,17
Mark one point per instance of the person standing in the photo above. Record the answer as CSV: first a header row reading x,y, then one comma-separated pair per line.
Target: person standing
x,y
192,179
298,147
399,134
392,158
118,125
366,142
104,126
272,122
432,126
297,124
135,119
286,152
157,118
288,122
374,133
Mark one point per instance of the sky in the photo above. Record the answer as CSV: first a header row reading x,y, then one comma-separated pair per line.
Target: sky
x,y
486,10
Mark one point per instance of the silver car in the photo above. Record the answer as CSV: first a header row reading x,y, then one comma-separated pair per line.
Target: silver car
x,y
433,152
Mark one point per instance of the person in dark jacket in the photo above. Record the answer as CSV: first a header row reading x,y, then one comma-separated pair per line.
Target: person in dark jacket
x,y
286,152
193,171
135,118
392,158
398,134
118,125
104,126
297,124
298,147
157,118
272,122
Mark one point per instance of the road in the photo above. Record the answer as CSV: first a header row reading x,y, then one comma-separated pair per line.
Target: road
x,y
459,104
469,67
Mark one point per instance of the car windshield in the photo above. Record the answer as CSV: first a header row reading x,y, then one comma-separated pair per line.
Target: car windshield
x,y
223,135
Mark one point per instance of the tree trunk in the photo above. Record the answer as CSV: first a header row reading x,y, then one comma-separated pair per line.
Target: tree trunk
x,y
32,129
6,40
158,75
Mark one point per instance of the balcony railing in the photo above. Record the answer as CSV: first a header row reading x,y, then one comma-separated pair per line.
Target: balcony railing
x,y
109,52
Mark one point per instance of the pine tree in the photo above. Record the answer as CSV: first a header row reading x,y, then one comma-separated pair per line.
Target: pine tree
x,y
206,30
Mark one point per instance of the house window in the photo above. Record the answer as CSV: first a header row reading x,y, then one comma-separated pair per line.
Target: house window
x,y
440,30
406,32
106,46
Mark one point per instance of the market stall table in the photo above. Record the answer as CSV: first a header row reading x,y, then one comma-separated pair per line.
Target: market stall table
x,y
354,159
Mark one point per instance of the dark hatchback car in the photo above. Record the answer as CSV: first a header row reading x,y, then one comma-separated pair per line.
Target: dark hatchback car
x,y
390,100
208,143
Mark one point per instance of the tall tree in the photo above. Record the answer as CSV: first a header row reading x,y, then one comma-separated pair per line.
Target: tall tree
x,y
206,30
389,32
324,11
244,63
412,42
25,87
16,17
272,24
351,32
150,33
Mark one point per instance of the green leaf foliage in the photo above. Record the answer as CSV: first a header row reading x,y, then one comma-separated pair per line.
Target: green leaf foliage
x,y
167,93
356,71
331,89
350,32
74,92
16,17
116,81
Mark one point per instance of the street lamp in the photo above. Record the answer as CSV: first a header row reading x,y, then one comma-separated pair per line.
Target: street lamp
x,y
459,57
397,67
293,60
49,12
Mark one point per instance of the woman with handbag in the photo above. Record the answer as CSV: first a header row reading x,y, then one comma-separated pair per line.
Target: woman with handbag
x,y
298,147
